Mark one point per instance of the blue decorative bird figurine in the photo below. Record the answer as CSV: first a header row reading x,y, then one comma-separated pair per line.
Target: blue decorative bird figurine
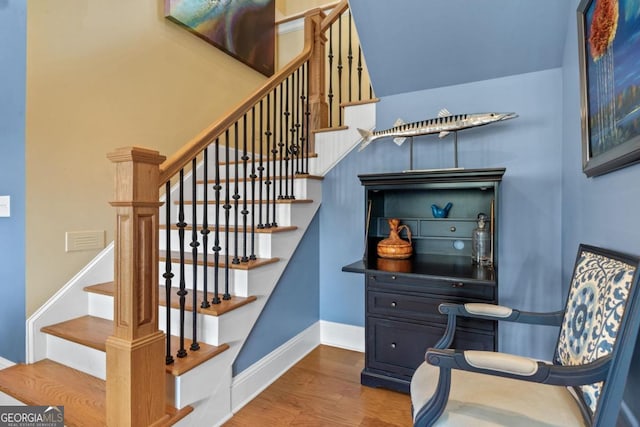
x,y
441,212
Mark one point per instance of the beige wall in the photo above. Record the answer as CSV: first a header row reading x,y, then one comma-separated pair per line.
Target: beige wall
x,y
100,75
293,7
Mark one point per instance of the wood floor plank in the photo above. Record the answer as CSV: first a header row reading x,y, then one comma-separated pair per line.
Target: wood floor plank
x,y
50,383
323,389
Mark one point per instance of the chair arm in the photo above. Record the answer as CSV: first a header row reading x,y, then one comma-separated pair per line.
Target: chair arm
x,y
518,367
499,312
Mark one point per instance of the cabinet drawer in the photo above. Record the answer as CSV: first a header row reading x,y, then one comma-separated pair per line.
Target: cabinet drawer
x,y
453,288
399,347
419,308
447,228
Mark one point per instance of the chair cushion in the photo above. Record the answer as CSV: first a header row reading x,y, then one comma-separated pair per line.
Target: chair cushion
x,y
486,400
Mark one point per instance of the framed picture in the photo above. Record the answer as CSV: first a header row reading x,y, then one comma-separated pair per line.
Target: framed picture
x,y
245,29
609,48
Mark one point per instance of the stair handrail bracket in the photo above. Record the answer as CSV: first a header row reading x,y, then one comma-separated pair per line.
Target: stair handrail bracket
x,y
135,352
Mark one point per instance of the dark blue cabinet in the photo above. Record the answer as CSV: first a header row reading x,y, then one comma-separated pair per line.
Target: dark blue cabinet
x,y
402,296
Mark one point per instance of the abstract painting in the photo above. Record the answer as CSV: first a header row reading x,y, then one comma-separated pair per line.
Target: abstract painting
x,y
245,29
609,37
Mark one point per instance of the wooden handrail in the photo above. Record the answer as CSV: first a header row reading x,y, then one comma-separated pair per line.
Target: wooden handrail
x,y
334,15
189,151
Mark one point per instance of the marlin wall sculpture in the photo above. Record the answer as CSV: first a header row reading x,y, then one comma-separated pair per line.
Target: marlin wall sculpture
x,y
443,125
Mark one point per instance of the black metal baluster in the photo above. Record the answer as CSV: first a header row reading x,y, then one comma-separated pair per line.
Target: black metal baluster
x,y
244,212
236,196
253,177
205,231
260,165
307,114
216,240
274,149
194,254
303,97
350,56
284,115
182,292
168,275
285,147
299,102
268,133
330,92
340,66
359,73
227,207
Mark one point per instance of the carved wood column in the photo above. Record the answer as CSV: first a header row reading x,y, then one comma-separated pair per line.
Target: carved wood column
x,y
135,351
318,106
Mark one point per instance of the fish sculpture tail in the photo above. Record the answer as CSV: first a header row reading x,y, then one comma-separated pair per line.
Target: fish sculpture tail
x,y
366,138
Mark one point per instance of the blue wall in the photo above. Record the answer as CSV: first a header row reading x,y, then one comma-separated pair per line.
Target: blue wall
x,y
12,177
603,210
530,228
292,307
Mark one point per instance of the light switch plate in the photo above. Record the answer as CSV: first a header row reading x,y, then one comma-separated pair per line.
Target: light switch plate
x,y
5,206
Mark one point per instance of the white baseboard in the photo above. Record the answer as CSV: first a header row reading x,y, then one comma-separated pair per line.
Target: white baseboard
x,y
253,380
342,335
4,363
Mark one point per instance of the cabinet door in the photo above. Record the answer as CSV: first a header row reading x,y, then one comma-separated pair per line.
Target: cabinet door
x,y
398,347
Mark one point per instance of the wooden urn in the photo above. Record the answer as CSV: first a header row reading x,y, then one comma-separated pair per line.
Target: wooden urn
x,y
394,246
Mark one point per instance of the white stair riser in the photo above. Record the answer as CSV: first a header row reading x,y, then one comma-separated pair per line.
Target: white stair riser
x,y
238,279
80,357
283,214
273,169
197,384
297,188
261,243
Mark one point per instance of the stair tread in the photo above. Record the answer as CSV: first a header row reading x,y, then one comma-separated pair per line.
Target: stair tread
x,y
188,259
48,383
242,179
269,230
241,202
93,332
214,310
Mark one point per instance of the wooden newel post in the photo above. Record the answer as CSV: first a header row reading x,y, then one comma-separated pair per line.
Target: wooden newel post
x,y
135,351
318,106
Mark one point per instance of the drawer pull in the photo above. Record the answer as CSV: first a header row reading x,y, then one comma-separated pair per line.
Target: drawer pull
x,y
457,285
393,277
394,304
452,229
393,345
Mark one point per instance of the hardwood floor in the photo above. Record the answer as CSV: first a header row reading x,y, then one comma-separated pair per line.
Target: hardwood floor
x,y
324,389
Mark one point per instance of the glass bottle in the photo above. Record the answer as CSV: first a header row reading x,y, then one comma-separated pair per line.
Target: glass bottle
x,y
481,243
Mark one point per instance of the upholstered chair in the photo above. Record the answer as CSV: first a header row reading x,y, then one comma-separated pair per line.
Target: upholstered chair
x,y
583,383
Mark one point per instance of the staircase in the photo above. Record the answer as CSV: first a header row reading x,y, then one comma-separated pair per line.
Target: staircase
x,y
67,336
95,346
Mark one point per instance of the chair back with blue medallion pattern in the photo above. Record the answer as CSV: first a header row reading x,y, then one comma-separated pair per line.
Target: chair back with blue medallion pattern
x,y
597,307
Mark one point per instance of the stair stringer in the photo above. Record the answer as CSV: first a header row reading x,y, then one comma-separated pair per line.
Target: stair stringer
x,y
332,145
